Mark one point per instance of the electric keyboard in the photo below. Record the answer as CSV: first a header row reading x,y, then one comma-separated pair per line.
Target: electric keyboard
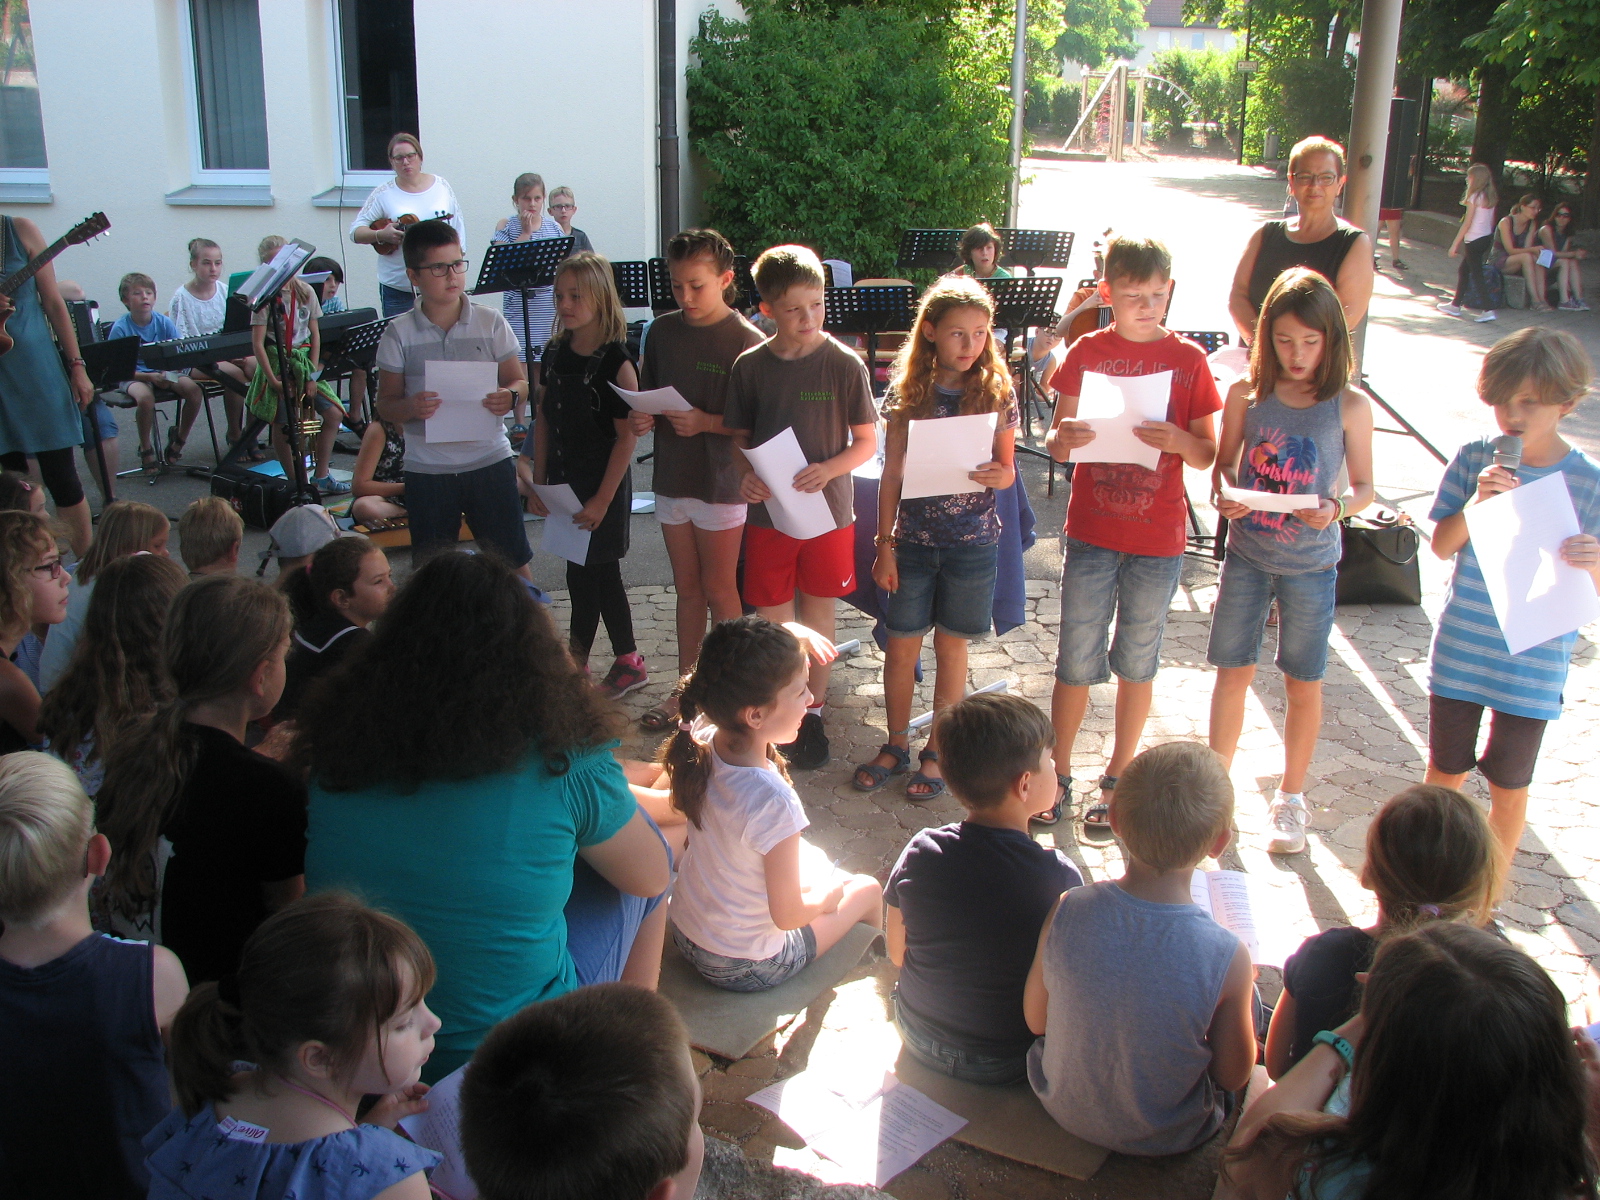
x,y
217,347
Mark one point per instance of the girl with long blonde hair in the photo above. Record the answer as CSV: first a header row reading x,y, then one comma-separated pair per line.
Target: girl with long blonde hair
x,y
937,554
1473,241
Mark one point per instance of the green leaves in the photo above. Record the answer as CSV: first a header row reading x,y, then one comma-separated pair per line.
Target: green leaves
x,y
1101,30
1538,38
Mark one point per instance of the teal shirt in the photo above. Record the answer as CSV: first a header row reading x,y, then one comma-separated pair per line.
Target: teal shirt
x,y
481,869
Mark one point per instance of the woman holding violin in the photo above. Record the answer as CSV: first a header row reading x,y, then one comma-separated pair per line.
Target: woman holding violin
x,y
411,196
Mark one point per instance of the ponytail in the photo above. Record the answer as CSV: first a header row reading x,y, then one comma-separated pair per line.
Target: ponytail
x,y
1431,855
335,567
205,1042
743,664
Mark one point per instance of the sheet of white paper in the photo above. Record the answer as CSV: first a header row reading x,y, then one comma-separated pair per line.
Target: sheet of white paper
x,y
844,275
1270,501
1517,537
1112,405
801,515
440,1129
662,400
811,1102
561,537
461,387
941,453
1228,365
1260,916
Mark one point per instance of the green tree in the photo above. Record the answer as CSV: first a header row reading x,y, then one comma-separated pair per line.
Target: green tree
x,y
1100,30
1206,75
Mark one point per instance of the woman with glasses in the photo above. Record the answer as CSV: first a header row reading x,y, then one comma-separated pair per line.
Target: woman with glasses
x,y
33,591
1317,238
412,195
1556,237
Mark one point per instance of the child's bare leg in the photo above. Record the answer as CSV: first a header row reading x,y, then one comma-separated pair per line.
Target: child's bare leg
x,y
188,393
144,413
1133,709
367,509
949,685
1227,709
1068,704
643,968
1301,725
1508,810
899,686
817,612
325,437
862,902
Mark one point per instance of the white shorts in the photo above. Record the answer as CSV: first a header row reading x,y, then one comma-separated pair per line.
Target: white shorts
x,y
682,510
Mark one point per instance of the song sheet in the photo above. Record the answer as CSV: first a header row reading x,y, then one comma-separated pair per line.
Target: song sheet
x,y
461,387
942,453
801,515
1112,405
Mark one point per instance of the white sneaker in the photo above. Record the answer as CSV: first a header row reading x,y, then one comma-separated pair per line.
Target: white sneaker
x,y
1449,310
1288,817
1491,315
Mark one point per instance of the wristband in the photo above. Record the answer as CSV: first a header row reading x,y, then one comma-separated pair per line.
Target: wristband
x,y
76,362
1341,1047
1339,500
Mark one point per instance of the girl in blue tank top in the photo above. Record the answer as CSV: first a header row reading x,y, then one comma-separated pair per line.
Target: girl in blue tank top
x,y
1288,429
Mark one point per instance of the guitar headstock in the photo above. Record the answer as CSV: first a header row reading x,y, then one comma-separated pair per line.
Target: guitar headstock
x,y
89,227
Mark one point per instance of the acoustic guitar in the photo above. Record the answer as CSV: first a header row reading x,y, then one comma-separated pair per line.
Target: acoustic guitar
x,y
83,231
403,221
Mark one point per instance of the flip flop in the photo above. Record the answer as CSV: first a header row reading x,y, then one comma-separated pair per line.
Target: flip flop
x,y
935,786
876,773
661,717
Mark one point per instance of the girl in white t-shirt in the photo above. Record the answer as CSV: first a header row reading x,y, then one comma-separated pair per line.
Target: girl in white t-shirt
x,y
200,307
752,904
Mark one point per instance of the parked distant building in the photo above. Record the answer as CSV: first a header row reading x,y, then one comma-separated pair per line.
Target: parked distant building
x,y
1167,30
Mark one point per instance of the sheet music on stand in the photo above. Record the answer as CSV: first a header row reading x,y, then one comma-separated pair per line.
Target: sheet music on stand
x,y
867,312
519,266
633,283
1035,248
929,250
1021,304
267,279
360,345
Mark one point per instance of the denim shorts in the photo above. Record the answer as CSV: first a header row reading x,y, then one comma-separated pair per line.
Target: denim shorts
x,y
486,498
1097,584
1305,618
925,1044
948,588
746,974
104,423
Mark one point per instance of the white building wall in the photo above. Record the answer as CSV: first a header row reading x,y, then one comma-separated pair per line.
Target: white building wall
x,y
1153,40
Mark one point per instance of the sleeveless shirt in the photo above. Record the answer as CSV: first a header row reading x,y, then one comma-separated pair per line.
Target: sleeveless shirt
x,y
1291,451
1278,253
37,411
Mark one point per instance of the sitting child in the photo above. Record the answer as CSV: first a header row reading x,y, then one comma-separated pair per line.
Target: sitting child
x,y
746,912
1145,1003
342,590
1430,856
33,594
81,1014
210,534
590,1094
138,294
958,1003
379,479
326,1008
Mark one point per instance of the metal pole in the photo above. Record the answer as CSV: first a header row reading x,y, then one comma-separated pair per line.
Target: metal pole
x,y
668,195
1019,98
1369,119
1244,87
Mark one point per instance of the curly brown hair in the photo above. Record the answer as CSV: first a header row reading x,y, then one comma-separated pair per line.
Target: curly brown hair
x,y
988,385
24,536
472,677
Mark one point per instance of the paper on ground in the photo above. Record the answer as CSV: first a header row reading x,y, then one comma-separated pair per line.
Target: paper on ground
x,y
1270,501
942,453
873,1129
440,1129
1517,537
801,515
1112,405
461,387
661,400
561,537
1248,910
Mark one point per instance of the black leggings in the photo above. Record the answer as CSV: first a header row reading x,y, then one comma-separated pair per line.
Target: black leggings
x,y
1472,256
597,592
58,470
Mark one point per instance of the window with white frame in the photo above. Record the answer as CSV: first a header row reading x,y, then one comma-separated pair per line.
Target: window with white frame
x,y
1197,41
22,156
227,93
377,79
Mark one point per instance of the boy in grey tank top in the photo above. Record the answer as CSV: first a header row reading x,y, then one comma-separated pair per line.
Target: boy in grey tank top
x,y
1145,1004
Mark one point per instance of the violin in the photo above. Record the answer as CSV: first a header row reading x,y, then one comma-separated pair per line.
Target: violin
x,y
83,231
403,221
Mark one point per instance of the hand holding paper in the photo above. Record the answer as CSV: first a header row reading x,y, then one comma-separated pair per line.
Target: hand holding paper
x,y
562,536
1113,406
462,388
801,515
661,400
942,454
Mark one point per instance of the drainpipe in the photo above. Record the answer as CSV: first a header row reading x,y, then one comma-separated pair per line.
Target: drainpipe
x,y
667,102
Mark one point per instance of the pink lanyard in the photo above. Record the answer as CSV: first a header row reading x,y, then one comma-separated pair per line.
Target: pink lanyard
x,y
321,1099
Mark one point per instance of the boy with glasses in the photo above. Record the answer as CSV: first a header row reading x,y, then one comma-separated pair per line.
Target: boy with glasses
x,y
563,207
446,481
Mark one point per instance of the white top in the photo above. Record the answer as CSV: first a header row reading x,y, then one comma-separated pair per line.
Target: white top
x,y
719,901
389,200
196,318
1482,221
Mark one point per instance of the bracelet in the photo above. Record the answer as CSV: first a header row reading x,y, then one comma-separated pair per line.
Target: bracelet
x,y
76,362
1339,500
1341,1047
886,539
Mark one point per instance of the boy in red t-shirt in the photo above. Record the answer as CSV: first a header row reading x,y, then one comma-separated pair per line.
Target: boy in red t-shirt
x,y
1125,536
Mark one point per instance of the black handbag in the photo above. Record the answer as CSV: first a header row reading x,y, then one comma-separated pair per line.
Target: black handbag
x,y
259,499
1379,563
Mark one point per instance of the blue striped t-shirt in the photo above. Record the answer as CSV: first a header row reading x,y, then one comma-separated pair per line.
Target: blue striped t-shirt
x,y
1470,660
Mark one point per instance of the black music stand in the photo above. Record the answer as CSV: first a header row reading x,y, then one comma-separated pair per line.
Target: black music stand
x,y
929,250
1031,249
358,351
1019,305
661,298
867,312
633,283
520,267
107,364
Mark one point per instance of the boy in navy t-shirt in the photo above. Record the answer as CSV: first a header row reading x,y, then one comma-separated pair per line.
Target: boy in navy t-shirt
x,y
967,901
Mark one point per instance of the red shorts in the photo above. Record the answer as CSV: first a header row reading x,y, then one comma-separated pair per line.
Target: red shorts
x,y
777,565
1391,214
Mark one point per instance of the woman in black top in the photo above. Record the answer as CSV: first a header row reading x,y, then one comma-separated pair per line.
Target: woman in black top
x,y
1317,238
335,597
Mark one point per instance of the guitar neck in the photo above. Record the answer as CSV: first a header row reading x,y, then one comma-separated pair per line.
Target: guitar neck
x,y
32,267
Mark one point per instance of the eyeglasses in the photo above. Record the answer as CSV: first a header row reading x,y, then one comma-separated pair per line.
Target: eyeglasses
x,y
1326,179
563,207
54,569
400,158
440,270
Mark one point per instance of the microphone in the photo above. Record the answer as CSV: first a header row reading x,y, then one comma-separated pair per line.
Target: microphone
x,y
1508,452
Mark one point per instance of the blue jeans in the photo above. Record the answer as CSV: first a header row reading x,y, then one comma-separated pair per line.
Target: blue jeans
x,y
750,974
395,300
1097,584
925,1045
948,588
487,498
602,921
1305,618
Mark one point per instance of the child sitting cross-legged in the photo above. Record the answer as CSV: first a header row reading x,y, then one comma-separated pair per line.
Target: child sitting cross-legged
x,y
270,1064
587,1095
748,910
81,1015
963,965
1146,1004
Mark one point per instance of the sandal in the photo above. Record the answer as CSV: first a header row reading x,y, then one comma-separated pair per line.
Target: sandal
x,y
876,774
1097,817
1052,815
662,716
175,445
935,786
148,460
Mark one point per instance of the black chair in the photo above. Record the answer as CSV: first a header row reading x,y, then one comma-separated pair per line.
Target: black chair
x,y
1201,543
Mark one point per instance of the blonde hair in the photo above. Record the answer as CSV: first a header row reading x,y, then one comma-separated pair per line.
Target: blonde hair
x,y
207,530
599,288
126,527
988,382
563,190
269,246
1309,298
1316,144
1431,856
198,244
1137,259
783,267
527,181
24,536
1171,803
1551,360
1480,183
46,822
